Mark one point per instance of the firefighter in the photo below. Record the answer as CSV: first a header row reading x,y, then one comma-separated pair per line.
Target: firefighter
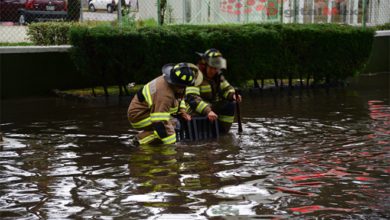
x,y
153,107
214,97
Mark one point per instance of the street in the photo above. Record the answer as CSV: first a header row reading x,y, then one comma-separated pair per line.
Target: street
x,y
99,16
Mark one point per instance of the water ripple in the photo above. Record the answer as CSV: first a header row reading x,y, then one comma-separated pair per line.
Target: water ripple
x,y
308,158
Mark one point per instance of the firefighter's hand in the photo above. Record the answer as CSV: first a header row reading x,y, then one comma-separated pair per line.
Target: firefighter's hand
x,y
186,116
237,98
212,116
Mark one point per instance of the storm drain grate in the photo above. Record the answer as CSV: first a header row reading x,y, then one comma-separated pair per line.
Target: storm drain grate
x,y
199,128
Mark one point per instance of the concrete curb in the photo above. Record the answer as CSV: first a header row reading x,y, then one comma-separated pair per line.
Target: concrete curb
x,y
34,49
382,33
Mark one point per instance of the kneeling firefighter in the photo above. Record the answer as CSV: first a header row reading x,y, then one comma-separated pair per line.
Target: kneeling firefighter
x,y
153,107
214,97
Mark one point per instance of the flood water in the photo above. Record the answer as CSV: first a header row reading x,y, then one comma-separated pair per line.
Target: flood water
x,y
308,154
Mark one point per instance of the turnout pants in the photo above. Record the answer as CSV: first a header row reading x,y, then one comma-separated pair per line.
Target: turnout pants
x,y
225,111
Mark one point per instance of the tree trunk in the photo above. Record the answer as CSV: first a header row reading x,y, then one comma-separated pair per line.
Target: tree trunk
x,y
105,90
276,82
255,84
300,81
93,91
163,7
307,81
103,71
126,90
327,81
281,84
120,90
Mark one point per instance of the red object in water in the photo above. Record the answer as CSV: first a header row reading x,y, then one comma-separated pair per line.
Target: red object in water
x,y
338,173
363,178
292,191
313,208
310,184
305,177
307,209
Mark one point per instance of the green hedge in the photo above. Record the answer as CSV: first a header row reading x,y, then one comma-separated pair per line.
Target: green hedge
x,y
383,27
323,52
50,33
56,33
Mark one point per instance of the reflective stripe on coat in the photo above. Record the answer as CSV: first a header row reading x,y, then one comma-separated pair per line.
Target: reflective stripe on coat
x,y
154,113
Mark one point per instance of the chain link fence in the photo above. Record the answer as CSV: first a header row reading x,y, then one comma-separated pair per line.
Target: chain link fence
x,y
15,15
353,12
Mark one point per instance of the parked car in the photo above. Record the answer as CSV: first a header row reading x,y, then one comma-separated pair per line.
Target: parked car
x,y
109,5
25,11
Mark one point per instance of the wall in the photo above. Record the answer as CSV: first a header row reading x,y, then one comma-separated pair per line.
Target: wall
x,y
37,70
380,55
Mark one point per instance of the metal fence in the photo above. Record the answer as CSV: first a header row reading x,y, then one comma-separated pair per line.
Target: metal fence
x,y
15,15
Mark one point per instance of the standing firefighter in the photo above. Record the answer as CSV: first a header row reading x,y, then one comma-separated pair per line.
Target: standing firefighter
x,y
153,106
214,97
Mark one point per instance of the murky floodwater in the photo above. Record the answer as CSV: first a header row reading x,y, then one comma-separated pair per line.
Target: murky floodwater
x,y
306,154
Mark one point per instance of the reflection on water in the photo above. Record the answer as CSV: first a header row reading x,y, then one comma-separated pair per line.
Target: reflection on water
x,y
307,154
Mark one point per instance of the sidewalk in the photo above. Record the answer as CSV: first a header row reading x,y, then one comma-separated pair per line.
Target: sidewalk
x,y
12,33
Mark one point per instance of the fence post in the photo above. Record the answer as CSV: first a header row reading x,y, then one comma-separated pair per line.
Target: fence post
x,y
312,11
295,11
247,12
364,14
159,12
119,8
329,11
81,11
281,11
184,2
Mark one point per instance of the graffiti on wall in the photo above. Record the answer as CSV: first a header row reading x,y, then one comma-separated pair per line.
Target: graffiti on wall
x,y
273,7
238,7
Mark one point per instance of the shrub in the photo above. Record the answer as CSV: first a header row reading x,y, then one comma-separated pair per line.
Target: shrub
x,y
49,33
57,33
383,27
324,52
